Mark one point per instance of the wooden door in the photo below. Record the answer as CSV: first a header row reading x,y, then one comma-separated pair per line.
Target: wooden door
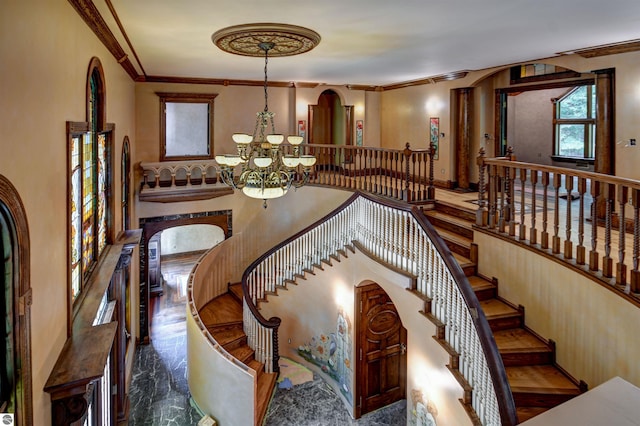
x,y
381,350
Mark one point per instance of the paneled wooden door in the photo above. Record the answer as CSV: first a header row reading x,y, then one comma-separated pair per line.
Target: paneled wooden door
x,y
381,372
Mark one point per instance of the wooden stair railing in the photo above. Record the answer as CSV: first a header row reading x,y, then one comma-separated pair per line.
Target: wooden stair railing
x,y
537,383
578,217
399,235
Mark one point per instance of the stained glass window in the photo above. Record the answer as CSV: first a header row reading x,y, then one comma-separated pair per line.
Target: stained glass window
x,y
88,188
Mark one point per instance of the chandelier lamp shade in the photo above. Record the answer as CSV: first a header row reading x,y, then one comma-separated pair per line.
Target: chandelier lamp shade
x,y
268,166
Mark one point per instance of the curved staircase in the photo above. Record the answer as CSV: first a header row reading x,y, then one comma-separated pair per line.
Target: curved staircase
x,y
223,318
536,381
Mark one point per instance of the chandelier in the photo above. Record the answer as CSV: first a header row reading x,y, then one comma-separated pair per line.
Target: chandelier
x,y
269,167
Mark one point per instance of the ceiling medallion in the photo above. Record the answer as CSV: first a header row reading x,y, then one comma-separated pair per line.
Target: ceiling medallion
x,y
288,40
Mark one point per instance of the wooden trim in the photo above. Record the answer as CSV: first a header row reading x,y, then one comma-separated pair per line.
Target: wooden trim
x,y
200,98
91,16
606,49
11,203
429,80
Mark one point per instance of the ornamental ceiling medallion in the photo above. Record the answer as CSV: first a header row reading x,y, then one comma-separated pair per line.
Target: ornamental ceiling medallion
x,y
288,40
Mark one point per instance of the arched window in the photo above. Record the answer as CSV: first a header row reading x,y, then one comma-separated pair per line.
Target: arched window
x,y
126,182
89,181
15,308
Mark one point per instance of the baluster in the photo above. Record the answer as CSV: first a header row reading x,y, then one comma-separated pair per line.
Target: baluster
x,y
635,275
607,261
621,268
568,245
157,173
533,232
511,207
522,231
431,190
545,210
481,213
594,257
580,249
555,246
502,196
493,196
407,157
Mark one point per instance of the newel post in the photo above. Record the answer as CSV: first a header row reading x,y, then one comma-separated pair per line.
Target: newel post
x,y
431,190
481,213
407,155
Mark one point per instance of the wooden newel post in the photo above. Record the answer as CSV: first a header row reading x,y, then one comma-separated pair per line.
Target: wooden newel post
x,y
407,155
635,275
481,213
431,190
276,345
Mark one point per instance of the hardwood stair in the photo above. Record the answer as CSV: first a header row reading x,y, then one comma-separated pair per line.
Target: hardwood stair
x,y
223,318
536,382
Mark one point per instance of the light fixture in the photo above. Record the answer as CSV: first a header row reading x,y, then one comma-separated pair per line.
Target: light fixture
x,y
268,167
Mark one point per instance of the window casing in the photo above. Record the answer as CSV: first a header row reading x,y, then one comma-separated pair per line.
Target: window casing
x,y
186,126
574,123
89,177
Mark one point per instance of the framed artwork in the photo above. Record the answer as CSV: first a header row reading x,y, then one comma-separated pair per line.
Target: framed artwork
x,y
434,133
302,129
359,130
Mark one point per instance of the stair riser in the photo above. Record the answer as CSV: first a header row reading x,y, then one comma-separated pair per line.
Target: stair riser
x,y
462,214
470,269
533,399
486,294
521,359
235,343
505,323
452,227
458,248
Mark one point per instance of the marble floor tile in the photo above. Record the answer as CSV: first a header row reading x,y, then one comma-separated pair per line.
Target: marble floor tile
x,y
159,392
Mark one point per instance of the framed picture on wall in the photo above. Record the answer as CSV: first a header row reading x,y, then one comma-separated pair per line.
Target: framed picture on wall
x,y
302,129
434,133
359,131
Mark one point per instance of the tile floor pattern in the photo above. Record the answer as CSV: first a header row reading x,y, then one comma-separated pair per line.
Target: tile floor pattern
x,y
159,394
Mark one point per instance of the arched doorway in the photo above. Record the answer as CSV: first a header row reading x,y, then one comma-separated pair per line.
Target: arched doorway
x,y
381,350
330,123
152,227
15,368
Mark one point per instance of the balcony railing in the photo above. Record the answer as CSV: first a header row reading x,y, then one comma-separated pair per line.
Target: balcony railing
x,y
587,220
405,175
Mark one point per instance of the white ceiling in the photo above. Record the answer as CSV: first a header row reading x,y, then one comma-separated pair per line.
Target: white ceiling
x,y
369,42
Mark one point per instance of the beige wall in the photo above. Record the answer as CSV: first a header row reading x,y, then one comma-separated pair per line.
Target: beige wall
x,y
45,50
593,327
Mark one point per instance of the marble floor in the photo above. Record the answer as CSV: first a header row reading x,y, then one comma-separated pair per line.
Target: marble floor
x,y
159,393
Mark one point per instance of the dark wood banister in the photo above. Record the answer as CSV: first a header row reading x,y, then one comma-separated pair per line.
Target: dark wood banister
x,y
497,370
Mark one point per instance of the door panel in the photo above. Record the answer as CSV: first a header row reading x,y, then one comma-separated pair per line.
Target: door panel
x,y
382,364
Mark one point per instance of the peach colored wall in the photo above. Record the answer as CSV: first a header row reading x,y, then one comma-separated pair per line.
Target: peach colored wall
x,y
46,49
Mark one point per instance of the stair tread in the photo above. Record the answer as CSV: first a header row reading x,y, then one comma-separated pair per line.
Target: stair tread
x,y
519,340
236,289
266,386
228,335
242,353
526,413
494,308
223,309
540,379
479,283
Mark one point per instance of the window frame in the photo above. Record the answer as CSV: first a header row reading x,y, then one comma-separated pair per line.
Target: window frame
x,y
92,128
589,125
187,98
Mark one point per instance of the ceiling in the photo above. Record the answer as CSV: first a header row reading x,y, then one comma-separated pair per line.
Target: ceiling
x,y
365,42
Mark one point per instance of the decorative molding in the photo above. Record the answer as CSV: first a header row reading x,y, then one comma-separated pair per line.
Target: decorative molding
x,y
429,80
90,14
282,39
606,49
